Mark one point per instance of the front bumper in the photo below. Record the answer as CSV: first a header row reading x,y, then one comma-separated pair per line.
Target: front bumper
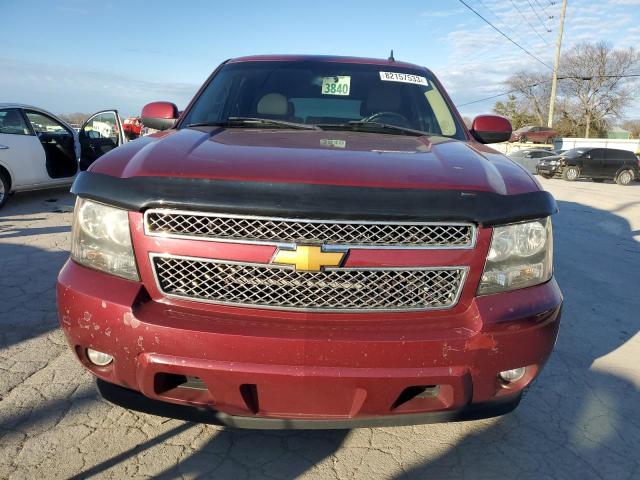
x,y
548,169
277,372
134,400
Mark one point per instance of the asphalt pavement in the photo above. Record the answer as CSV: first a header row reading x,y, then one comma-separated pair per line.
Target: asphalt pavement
x,y
580,420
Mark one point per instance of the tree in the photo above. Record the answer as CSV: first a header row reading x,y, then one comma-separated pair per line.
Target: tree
x,y
76,118
597,78
515,112
534,89
595,83
633,126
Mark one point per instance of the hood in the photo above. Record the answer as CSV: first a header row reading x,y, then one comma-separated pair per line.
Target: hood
x,y
318,157
551,158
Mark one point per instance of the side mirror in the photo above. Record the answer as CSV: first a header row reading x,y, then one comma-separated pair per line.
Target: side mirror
x,y
491,129
159,115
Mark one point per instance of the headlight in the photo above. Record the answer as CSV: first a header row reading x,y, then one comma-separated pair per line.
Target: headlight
x,y
521,255
102,240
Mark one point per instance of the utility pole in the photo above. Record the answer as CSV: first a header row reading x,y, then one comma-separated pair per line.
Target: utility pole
x,y
554,80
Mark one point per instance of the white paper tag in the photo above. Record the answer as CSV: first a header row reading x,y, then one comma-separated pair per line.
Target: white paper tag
x,y
403,78
329,142
336,85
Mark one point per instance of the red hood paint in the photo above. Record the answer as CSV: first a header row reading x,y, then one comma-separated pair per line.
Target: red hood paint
x,y
319,157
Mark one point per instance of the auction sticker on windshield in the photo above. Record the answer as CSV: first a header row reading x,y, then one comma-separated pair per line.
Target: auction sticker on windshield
x,y
339,85
403,77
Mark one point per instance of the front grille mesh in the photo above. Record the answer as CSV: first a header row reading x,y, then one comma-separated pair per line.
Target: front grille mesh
x,y
276,230
329,290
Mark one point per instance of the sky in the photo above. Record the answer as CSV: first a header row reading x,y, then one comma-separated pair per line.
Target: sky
x,y
84,56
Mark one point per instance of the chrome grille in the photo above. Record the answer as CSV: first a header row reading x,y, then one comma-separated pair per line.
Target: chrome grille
x,y
282,287
289,231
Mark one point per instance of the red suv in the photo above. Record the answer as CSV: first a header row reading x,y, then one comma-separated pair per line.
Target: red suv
x,y
317,242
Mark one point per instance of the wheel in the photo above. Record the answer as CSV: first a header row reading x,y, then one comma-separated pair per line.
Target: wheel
x,y
625,177
523,139
546,175
570,174
598,180
4,189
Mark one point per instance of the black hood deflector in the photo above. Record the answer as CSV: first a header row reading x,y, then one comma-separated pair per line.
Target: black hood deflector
x,y
301,200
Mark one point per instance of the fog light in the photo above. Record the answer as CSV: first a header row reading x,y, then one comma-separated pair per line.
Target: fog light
x,y
99,358
512,375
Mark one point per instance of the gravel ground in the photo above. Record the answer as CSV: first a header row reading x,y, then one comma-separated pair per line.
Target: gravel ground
x,y
581,419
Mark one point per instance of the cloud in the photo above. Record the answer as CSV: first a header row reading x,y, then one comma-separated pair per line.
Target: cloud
x,y
480,59
65,89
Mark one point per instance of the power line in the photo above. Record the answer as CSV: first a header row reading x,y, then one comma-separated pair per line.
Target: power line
x,y
505,35
492,97
536,12
504,24
528,22
543,9
585,78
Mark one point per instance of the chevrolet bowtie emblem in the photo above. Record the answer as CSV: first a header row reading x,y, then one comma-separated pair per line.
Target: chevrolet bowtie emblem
x,y
309,258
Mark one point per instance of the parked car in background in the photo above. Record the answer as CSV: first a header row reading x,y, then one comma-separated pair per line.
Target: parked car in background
x,y
599,164
132,127
529,157
317,242
533,134
39,150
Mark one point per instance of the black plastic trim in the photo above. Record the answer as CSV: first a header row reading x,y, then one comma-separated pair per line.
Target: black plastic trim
x,y
301,200
134,400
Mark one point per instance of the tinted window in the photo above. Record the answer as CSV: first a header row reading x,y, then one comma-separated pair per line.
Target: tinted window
x,y
613,154
594,154
574,152
12,122
314,92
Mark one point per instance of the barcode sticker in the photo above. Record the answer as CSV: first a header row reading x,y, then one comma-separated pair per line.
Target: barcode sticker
x,y
404,78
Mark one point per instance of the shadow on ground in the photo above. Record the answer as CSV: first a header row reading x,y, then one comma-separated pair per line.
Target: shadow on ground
x,y
29,262
580,419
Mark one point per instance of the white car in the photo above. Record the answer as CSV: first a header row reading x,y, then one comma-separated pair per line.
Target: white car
x,y
39,150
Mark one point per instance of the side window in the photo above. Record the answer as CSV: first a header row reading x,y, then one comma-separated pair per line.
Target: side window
x,y
44,125
102,126
595,154
12,122
611,155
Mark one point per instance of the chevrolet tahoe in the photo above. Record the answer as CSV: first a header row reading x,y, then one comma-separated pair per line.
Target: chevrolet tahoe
x,y
314,242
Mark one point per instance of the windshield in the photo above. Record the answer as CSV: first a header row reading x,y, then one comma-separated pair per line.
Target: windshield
x,y
325,94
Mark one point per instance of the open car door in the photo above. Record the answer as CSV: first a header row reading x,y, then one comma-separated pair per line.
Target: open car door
x,y
101,133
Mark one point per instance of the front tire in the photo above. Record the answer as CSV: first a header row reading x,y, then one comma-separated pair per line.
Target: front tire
x,y
624,178
571,174
4,189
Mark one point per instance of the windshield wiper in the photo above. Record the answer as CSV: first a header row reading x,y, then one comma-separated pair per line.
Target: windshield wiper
x,y
358,125
252,122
